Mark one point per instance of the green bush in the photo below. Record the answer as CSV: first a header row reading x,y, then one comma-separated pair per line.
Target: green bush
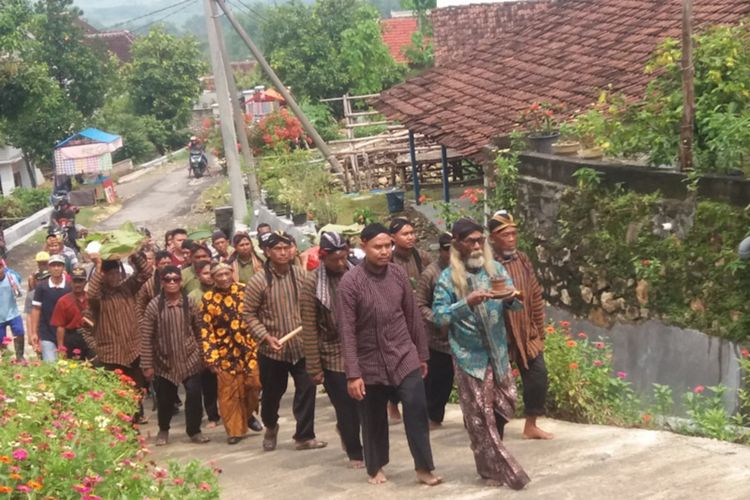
x,y
66,433
24,202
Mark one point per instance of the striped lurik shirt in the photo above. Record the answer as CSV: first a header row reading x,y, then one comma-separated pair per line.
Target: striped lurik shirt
x,y
409,264
425,290
145,295
169,342
381,328
526,326
274,310
116,329
319,334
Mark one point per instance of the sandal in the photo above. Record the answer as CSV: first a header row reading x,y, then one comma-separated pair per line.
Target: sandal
x,y
162,438
269,439
310,444
199,438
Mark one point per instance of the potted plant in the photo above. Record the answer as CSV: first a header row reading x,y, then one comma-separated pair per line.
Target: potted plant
x,y
567,144
541,126
591,129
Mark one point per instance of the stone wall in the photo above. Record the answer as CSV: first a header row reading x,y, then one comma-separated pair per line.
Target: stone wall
x,y
645,347
458,30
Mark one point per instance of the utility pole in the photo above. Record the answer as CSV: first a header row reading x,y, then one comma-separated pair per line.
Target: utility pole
x,y
688,88
237,112
319,142
228,136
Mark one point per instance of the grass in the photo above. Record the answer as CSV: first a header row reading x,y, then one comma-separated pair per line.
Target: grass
x,y
375,202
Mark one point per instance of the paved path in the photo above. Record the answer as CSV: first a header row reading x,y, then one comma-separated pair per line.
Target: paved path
x,y
583,462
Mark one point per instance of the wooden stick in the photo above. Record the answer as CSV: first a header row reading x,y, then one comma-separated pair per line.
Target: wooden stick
x,y
290,335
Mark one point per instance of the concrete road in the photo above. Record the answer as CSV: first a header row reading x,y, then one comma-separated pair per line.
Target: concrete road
x,y
583,462
156,200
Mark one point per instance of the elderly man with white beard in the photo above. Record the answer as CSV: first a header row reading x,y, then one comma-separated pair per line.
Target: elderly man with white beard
x,y
470,297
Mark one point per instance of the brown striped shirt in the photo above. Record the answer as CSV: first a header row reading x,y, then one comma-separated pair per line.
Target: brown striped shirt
x,y
116,329
274,310
438,337
169,342
145,295
526,326
319,334
381,328
409,264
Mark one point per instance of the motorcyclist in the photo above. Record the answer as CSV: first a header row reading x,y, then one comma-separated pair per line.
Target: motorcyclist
x,y
195,144
63,217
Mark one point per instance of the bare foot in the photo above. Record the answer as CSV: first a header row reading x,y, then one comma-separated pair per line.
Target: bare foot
x,y
211,424
378,478
357,464
394,415
536,433
428,478
492,482
435,425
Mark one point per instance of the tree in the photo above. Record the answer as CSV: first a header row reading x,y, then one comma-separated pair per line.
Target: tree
x,y
329,48
163,81
83,72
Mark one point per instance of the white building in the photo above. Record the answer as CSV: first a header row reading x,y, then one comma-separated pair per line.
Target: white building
x,y
13,171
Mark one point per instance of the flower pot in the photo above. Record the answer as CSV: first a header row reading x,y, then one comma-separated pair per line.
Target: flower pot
x,y
543,143
566,148
591,153
395,201
299,219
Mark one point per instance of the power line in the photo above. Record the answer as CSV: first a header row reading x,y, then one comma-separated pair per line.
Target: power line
x,y
160,19
249,10
123,23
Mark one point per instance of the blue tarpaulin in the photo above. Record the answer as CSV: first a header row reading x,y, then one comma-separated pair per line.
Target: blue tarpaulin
x,y
93,134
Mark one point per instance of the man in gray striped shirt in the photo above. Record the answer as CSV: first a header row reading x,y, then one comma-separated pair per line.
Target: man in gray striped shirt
x,y
170,355
271,311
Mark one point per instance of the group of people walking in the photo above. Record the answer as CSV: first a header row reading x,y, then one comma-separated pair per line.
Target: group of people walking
x,y
381,328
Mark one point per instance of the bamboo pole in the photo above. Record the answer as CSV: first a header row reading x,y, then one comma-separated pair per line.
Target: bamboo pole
x,y
688,88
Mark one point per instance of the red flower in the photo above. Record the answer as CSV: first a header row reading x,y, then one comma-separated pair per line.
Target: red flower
x,y
599,345
598,362
646,418
745,353
573,366
565,324
535,107
699,389
582,335
622,375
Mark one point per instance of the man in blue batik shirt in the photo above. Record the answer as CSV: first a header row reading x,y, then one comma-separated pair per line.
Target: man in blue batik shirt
x,y
470,297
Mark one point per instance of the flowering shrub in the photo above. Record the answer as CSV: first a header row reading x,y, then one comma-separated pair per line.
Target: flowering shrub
x,y
279,130
66,432
472,206
583,386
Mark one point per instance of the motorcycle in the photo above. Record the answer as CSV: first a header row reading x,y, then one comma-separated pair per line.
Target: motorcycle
x,y
198,162
63,219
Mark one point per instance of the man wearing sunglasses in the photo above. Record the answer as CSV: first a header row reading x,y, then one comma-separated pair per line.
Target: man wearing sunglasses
x,y
170,355
470,298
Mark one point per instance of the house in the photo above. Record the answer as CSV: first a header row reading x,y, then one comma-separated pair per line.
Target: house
x,y
14,171
397,32
116,42
562,51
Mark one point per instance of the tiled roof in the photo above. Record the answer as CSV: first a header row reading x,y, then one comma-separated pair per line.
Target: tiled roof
x,y
118,42
397,34
565,54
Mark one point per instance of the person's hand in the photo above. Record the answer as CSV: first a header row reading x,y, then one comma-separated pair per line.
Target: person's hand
x,y
148,373
96,258
317,378
274,343
477,297
34,342
356,388
423,368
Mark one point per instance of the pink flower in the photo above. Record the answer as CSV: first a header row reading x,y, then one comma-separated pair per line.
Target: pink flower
x,y
179,481
598,362
81,488
96,394
582,335
622,375
20,454
204,486
68,454
77,352
23,488
599,345
699,389
7,340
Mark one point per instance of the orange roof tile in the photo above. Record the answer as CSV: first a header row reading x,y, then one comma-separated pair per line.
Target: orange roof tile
x,y
397,34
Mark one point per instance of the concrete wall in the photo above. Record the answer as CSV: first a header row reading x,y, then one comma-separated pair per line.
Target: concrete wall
x,y
652,352
20,232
